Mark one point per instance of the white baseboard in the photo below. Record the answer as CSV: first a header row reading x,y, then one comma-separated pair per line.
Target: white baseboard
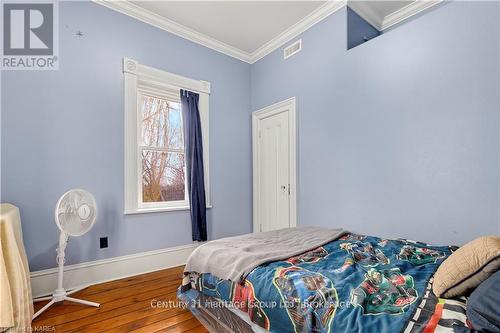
x,y
44,282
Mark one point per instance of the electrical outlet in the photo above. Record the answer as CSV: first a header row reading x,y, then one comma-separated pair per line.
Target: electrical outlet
x,y
103,242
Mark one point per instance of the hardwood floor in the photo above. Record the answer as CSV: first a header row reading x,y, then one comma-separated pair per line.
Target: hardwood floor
x,y
126,306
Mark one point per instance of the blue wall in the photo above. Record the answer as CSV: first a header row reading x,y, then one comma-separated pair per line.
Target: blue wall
x,y
64,129
398,136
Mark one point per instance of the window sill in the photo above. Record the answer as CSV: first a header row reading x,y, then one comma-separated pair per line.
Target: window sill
x,y
157,210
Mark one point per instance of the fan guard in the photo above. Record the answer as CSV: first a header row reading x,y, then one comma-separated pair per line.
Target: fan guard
x,y
76,212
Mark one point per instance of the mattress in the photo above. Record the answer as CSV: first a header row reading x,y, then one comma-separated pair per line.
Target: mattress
x,y
355,283
216,317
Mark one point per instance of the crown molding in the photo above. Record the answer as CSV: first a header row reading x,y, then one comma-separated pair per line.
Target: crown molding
x,y
307,22
141,14
330,7
383,23
366,13
406,12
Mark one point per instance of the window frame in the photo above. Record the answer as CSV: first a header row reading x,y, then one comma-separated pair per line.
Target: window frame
x,y
143,80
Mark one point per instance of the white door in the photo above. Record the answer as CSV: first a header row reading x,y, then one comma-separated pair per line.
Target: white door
x,y
273,166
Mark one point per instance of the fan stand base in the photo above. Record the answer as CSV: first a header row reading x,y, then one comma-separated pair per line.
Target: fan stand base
x,y
61,295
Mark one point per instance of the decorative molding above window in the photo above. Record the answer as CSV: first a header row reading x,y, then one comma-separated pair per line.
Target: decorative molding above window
x,y
152,74
154,148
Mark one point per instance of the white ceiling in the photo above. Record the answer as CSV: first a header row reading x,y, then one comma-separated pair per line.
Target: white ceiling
x,y
246,25
249,30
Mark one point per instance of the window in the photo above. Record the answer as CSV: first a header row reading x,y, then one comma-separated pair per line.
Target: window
x,y
155,173
161,151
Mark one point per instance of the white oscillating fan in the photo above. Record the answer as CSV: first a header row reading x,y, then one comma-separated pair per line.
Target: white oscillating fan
x,y
75,214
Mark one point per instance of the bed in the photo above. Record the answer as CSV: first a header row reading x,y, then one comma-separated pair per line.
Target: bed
x,y
321,280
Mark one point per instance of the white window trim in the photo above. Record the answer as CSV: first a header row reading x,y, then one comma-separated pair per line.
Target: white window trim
x,y
135,75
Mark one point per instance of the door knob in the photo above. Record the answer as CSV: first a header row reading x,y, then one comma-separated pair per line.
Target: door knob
x,y
285,188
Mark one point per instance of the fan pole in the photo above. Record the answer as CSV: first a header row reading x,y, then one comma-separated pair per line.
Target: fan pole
x,y
61,258
60,294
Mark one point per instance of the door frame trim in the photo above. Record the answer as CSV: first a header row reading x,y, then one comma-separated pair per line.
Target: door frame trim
x,y
288,105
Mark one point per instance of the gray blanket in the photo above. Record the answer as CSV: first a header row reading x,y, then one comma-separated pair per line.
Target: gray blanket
x,y
232,258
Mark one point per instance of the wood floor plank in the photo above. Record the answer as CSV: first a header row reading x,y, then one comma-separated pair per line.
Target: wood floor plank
x,y
164,324
119,320
126,306
173,273
181,327
166,274
125,313
145,323
197,329
124,292
111,296
110,306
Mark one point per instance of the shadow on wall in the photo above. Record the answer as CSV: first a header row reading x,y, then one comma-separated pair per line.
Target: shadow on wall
x,y
50,252
359,30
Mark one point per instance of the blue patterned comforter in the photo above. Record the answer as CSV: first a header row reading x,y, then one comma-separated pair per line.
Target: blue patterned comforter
x,y
354,284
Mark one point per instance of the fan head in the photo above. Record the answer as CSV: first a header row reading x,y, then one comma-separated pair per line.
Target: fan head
x,y
76,212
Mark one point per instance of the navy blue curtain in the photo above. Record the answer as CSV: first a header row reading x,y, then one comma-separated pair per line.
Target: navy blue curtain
x,y
193,147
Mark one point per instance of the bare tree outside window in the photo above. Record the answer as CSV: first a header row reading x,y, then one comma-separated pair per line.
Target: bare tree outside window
x,y
163,173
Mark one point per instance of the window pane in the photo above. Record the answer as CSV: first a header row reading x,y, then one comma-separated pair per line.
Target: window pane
x,y
162,176
161,123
